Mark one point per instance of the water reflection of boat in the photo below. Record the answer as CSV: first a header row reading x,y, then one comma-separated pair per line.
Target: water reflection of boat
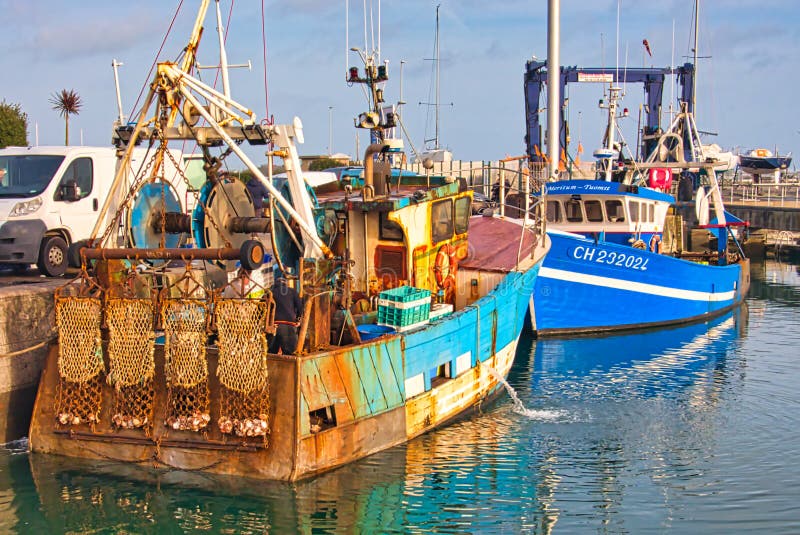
x,y
417,486
644,363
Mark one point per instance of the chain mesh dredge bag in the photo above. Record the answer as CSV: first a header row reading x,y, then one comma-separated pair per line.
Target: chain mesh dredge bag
x,y
80,359
131,348
242,370
186,367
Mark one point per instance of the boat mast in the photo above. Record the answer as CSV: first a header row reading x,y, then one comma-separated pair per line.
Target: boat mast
x,y
553,86
223,55
694,85
436,105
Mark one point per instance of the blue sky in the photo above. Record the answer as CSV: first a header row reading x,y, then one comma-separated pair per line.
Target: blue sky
x,y
745,90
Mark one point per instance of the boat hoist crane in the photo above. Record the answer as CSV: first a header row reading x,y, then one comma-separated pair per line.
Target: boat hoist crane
x,y
651,77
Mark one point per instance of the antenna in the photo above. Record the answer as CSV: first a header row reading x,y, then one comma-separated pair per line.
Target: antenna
x,y
625,73
672,81
616,64
437,75
436,103
115,65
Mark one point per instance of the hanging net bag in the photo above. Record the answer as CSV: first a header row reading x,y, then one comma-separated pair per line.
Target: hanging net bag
x,y
242,324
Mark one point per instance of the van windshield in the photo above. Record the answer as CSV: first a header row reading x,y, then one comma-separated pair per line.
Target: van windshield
x,y
27,175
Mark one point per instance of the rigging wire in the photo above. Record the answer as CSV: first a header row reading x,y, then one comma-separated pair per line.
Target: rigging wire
x,y
155,61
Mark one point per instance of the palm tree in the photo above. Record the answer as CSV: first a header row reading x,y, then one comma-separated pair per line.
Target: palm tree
x,y
66,103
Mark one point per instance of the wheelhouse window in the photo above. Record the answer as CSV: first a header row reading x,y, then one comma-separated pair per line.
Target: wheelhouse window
x,y
442,220
389,230
572,209
594,210
615,211
633,208
652,213
554,212
462,214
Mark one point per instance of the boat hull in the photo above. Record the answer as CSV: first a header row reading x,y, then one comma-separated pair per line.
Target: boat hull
x,y
764,164
586,286
382,393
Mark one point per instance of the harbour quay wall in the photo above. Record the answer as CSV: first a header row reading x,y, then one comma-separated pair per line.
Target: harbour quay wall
x,y
27,324
768,216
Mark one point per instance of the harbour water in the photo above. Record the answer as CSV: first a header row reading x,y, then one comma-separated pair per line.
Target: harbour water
x,y
688,430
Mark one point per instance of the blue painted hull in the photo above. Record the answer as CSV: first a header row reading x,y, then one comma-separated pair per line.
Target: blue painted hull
x,y
482,329
586,287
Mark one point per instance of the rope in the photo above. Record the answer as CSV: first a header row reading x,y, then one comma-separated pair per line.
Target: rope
x,y
31,348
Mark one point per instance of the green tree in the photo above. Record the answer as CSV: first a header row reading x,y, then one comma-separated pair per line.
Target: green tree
x,y
324,163
66,103
13,125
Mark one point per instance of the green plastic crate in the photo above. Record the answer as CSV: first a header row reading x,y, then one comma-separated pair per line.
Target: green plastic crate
x,y
404,294
403,306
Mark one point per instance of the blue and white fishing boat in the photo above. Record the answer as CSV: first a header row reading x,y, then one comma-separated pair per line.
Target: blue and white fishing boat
x,y
609,268
606,269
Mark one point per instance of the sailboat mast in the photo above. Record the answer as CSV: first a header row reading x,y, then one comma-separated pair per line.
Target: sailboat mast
x,y
694,86
436,106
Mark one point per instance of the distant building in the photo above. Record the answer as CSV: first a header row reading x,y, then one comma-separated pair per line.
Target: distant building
x,y
340,158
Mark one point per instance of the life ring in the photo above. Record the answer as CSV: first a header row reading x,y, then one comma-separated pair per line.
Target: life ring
x,y
655,244
761,153
445,265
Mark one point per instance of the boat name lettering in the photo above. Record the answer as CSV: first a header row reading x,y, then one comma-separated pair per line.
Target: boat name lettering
x,y
566,188
612,258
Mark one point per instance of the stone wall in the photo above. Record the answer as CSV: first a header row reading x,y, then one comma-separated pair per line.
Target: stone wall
x,y
27,318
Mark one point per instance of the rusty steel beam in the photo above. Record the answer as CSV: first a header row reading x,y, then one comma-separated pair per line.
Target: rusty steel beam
x,y
132,253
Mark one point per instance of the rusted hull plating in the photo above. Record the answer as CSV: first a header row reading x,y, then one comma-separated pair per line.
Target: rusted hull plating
x,y
327,408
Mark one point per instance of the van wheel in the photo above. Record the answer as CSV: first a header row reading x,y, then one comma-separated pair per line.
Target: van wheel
x,y
53,256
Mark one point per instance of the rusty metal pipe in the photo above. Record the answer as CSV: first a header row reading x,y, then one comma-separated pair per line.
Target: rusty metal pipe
x,y
368,191
132,253
247,225
173,223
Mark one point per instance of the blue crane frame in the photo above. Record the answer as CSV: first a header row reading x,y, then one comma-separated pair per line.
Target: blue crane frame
x,y
652,78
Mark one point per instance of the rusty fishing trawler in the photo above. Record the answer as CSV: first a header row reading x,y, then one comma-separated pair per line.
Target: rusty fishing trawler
x,y
412,308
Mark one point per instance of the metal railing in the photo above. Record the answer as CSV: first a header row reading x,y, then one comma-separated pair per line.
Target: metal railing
x,y
771,194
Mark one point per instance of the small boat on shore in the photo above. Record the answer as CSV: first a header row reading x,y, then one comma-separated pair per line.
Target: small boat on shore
x,y
763,161
411,317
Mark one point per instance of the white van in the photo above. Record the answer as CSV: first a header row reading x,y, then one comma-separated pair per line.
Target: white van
x,y
50,197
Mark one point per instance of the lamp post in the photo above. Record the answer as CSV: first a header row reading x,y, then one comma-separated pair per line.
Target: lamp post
x,y
330,130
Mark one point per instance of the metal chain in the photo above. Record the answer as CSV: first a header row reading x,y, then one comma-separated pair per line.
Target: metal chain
x,y
131,192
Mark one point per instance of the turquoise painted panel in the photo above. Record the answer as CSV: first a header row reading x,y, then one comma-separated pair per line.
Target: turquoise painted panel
x,y
363,379
368,375
388,363
352,384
